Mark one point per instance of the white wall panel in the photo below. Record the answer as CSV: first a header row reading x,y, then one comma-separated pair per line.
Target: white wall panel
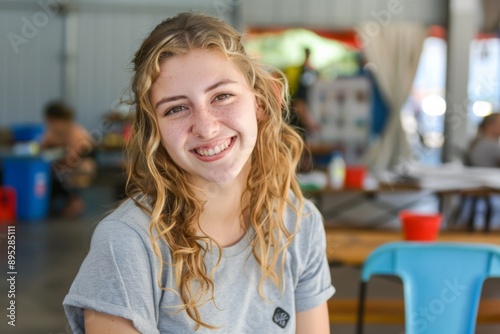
x,y
260,11
163,3
288,11
319,12
338,14
30,71
364,9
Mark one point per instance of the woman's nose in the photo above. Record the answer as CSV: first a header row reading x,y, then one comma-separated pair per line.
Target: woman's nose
x,y
205,124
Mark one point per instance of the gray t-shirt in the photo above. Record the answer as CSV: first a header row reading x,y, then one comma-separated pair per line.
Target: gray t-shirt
x,y
119,276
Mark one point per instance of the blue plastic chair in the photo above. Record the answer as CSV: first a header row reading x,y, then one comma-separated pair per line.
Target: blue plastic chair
x,y
442,283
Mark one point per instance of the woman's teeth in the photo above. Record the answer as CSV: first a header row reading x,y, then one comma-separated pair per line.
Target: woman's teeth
x,y
213,151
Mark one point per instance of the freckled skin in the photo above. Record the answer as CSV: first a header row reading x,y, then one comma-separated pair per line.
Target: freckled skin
x,y
202,118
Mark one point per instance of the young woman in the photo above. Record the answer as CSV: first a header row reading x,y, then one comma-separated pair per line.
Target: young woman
x,y
216,236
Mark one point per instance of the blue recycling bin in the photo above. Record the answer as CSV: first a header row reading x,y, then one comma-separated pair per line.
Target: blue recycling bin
x,y
31,178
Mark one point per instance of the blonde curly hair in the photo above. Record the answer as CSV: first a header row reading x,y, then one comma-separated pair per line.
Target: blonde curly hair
x,y
161,187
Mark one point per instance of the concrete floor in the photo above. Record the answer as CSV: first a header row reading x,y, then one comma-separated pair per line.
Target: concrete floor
x,y
49,255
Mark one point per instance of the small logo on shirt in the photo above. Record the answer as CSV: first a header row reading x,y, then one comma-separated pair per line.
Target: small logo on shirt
x,y
280,317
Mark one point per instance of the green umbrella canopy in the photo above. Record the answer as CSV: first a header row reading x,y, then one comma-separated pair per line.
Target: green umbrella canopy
x,y
286,49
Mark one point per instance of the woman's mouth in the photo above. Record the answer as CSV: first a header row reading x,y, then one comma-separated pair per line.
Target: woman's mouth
x,y
209,151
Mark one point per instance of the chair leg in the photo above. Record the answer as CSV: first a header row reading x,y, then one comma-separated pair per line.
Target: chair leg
x,y
470,223
487,216
361,307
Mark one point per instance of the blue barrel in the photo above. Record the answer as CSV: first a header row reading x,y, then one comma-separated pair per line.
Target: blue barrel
x,y
31,178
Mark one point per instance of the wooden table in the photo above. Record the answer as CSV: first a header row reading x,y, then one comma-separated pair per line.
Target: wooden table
x,y
352,246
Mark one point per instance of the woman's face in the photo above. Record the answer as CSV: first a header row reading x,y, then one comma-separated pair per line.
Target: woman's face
x,y
207,115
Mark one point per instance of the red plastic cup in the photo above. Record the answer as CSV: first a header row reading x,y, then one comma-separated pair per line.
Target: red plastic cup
x,y
354,176
420,226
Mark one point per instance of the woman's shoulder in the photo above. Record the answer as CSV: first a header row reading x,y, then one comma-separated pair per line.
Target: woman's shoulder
x,y
309,234
128,218
310,217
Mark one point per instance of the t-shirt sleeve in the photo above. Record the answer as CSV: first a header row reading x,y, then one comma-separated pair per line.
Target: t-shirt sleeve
x,y
117,277
314,286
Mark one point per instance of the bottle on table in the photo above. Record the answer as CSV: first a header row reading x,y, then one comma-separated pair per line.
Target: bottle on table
x,y
336,170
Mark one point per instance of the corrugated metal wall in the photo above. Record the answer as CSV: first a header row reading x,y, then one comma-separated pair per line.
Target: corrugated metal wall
x,y
84,55
341,13
30,63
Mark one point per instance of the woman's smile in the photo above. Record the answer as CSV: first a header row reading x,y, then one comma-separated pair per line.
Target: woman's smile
x,y
214,151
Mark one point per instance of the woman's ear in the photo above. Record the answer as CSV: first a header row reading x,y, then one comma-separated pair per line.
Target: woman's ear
x,y
259,109
260,113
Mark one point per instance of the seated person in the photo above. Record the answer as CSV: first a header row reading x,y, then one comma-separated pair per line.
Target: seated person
x,y
75,167
484,150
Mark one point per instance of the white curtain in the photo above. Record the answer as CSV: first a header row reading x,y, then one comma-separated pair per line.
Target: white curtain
x,y
392,53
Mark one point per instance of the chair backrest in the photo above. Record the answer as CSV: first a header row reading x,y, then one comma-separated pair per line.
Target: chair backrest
x,y
442,282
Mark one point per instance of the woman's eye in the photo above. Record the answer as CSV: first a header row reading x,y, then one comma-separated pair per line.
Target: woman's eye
x,y
174,110
222,97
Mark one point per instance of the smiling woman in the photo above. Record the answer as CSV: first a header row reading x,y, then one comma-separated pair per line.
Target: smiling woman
x,y
215,236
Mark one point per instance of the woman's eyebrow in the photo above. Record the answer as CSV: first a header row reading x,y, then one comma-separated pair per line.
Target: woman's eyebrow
x,y
208,89
169,99
220,83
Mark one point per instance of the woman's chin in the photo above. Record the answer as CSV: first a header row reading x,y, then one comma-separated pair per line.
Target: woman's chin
x,y
222,179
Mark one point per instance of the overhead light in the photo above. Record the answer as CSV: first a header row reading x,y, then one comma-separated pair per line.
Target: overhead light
x,y
434,105
482,108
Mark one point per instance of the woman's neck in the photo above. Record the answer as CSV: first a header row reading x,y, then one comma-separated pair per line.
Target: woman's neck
x,y
221,218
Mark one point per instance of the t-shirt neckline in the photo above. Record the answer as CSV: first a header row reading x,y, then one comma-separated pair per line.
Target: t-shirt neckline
x,y
237,248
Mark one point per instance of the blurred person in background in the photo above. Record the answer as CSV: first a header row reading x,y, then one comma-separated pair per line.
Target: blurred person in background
x,y
484,150
316,152
73,167
308,76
